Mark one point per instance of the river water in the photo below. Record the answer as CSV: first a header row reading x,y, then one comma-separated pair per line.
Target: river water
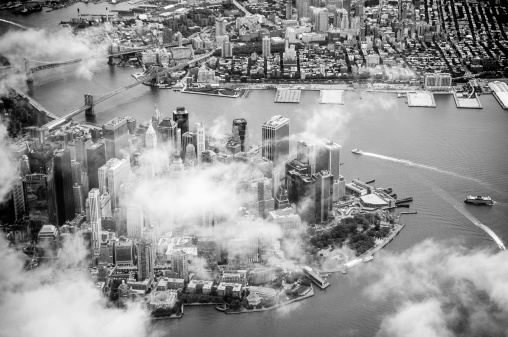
x,y
436,155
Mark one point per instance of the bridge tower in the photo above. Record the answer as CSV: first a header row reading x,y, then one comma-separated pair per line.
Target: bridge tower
x,y
28,72
89,102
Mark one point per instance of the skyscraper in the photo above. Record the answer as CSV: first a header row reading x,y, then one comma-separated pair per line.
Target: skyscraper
x,y
96,157
306,154
266,47
241,133
324,182
181,117
135,221
116,135
167,131
117,173
320,16
81,144
150,137
145,260
289,10
94,205
40,195
328,157
79,198
190,155
189,138
179,263
275,140
63,186
200,131
220,26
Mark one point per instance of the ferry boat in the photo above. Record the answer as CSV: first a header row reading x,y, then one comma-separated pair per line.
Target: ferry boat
x,y
318,280
368,258
356,151
479,200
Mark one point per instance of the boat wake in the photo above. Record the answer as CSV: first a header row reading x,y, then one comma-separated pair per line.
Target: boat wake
x,y
14,23
428,167
462,210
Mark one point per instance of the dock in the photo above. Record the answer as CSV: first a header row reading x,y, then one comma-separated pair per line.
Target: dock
x,y
405,200
318,280
285,95
331,97
467,102
371,181
421,99
415,212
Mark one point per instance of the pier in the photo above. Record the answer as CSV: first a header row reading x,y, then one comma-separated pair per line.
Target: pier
x,y
471,102
331,97
421,99
284,95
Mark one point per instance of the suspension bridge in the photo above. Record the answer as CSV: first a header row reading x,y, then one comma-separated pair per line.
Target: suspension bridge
x,y
91,101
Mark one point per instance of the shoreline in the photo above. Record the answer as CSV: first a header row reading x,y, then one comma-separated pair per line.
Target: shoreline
x,y
244,311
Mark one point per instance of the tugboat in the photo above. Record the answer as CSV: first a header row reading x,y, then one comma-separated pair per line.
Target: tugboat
x,y
356,151
479,200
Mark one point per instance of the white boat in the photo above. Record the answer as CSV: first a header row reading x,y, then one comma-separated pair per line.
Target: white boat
x,y
479,200
368,258
356,151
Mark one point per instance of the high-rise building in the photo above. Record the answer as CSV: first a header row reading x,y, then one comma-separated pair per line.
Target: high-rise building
x,y
303,8
150,137
181,117
63,186
96,157
324,183
167,131
179,263
116,173
156,118
116,135
81,144
289,10
190,155
24,166
281,198
135,221
306,154
189,138
328,157
275,140
79,198
266,47
200,132
259,197
124,253
145,260
76,172
226,49
320,18
40,196
241,133
48,241
94,209
220,26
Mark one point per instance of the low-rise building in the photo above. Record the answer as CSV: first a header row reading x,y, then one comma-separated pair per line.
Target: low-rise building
x,y
199,287
232,289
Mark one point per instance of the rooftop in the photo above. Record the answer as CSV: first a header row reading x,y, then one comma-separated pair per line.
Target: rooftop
x,y
276,121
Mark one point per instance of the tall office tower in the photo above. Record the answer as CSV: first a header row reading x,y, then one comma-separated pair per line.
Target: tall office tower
x,y
79,198
289,10
105,200
328,157
275,140
241,133
176,170
156,118
40,194
116,173
266,47
281,198
320,16
347,6
150,137
82,143
200,132
145,260
178,147
179,263
302,192
63,186
167,131
94,209
96,157
260,195
306,154
76,172
220,26
226,49
324,182
14,207
189,138
24,166
48,240
116,135
135,221
190,155
303,8
181,117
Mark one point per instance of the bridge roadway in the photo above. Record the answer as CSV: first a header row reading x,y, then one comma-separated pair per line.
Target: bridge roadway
x,y
240,7
60,120
34,103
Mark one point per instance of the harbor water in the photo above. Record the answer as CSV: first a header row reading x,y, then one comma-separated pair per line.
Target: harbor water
x,y
436,155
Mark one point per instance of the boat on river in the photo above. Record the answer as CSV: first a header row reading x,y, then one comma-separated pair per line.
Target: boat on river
x,y
479,200
357,151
